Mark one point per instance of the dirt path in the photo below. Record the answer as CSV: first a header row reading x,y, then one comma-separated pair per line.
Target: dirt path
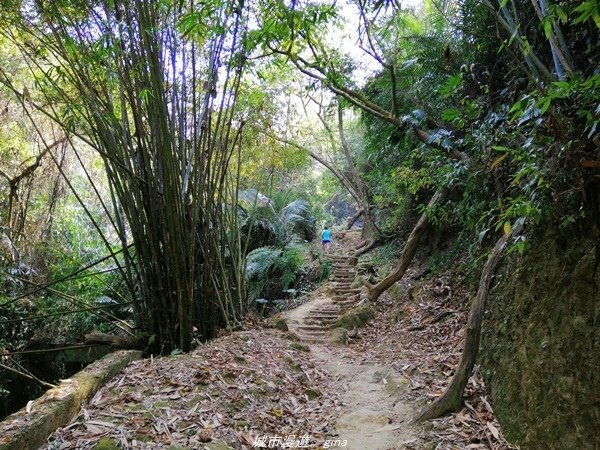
x,y
373,414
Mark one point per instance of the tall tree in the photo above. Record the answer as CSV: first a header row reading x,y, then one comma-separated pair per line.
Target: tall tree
x,y
151,86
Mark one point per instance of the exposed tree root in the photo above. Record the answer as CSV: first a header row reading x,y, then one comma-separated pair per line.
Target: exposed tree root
x,y
451,399
367,247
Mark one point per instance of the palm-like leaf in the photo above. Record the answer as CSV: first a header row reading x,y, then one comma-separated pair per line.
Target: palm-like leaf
x,y
259,261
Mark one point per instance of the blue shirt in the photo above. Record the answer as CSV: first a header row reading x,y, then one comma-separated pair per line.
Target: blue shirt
x,y
326,235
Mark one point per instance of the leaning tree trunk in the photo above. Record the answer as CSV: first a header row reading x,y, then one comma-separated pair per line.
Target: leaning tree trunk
x,y
408,253
451,400
354,218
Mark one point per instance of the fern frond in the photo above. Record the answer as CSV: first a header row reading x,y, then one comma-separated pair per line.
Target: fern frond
x,y
259,261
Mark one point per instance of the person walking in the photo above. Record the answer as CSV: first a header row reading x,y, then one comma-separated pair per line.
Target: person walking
x,y
326,239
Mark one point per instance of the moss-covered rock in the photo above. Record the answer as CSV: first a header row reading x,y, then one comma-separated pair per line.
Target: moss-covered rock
x,y
217,445
399,314
299,346
355,318
59,405
293,364
395,292
357,283
414,292
279,323
292,336
312,394
106,443
339,336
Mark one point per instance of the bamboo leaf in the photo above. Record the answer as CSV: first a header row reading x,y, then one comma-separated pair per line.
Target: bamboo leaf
x,y
498,161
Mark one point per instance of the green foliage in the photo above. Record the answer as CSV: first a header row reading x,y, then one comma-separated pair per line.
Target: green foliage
x,y
523,140
146,108
271,270
275,221
325,271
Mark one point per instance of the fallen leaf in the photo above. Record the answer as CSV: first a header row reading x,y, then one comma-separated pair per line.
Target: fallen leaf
x,y
494,430
390,427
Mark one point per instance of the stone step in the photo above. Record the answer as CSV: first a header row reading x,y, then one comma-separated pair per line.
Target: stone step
x,y
311,328
313,340
313,332
330,307
345,263
343,298
338,298
321,316
346,289
348,304
322,333
343,286
318,323
327,312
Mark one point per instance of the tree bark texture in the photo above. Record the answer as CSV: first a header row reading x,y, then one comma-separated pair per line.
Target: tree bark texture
x,y
408,253
354,218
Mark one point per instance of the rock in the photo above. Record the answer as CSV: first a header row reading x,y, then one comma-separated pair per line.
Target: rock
x,y
413,292
292,336
105,444
278,323
301,347
339,336
59,405
399,314
356,283
395,292
430,445
312,394
355,318
217,445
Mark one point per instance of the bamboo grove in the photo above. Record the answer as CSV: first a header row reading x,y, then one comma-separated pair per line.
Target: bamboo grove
x,y
151,87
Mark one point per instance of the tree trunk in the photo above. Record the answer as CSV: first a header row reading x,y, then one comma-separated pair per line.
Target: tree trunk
x,y
354,218
370,231
408,253
451,400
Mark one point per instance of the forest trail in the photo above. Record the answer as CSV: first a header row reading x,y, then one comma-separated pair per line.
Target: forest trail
x,y
373,416
265,388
